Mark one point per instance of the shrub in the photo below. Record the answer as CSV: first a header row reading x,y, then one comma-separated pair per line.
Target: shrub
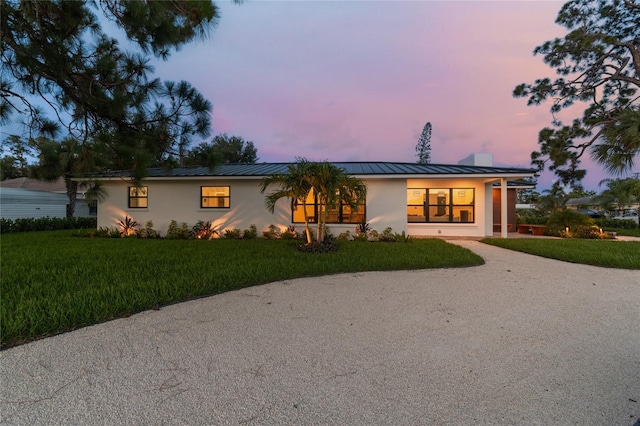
x,y
387,236
346,236
233,234
290,233
565,219
46,224
403,237
251,233
148,231
589,233
272,233
181,232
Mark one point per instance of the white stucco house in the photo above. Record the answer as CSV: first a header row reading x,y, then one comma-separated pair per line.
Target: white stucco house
x,y
420,199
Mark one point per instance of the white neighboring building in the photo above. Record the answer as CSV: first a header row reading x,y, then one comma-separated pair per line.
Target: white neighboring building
x,y
30,198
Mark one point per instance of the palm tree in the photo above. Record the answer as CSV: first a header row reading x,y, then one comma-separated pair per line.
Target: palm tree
x,y
334,187
619,192
295,185
552,200
619,145
64,159
331,186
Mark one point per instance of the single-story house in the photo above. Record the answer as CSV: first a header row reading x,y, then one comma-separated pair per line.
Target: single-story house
x,y
419,199
25,197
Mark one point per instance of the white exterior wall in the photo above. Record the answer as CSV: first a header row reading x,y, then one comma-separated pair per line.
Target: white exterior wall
x,y
483,221
387,204
179,199
18,203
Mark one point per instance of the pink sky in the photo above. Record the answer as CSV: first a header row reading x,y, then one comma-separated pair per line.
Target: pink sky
x,y
357,81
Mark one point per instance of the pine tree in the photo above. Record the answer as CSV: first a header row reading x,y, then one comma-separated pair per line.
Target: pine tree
x,y
423,148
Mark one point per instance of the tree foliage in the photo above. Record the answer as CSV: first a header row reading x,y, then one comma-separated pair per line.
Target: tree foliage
x,y
222,149
423,147
620,193
598,68
62,73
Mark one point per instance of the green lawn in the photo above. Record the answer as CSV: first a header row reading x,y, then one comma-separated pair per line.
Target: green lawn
x,y
606,253
57,281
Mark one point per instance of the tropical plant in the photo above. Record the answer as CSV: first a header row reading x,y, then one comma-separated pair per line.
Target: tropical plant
x,y
295,185
619,193
598,68
330,185
127,226
204,230
552,200
565,220
333,187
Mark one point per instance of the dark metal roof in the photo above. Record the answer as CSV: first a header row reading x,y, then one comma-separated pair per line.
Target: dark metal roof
x,y
352,168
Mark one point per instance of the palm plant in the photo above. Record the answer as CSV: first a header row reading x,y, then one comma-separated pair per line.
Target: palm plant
x,y
552,200
331,185
335,187
619,192
295,185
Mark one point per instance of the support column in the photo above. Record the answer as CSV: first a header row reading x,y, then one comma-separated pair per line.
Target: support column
x,y
503,208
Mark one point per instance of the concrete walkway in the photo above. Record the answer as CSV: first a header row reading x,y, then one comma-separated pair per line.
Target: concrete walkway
x,y
519,341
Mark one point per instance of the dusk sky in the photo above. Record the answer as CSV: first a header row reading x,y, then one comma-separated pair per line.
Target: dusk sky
x,y
357,81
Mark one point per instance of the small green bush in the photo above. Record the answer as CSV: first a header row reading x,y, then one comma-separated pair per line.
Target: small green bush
x,y
565,219
290,233
233,234
251,233
403,237
272,233
346,236
148,231
181,232
387,236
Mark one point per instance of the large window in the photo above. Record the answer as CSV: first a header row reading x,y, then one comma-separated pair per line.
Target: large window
x,y
138,197
444,205
214,197
340,214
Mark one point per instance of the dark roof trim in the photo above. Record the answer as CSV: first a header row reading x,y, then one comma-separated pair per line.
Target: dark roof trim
x,y
352,168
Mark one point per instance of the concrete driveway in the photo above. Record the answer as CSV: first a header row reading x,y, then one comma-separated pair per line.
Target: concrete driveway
x,y
521,340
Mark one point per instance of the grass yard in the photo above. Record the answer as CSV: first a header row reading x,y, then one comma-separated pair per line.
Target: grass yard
x,y
57,281
606,253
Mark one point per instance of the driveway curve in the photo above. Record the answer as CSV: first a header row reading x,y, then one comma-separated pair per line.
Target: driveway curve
x,y
519,340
